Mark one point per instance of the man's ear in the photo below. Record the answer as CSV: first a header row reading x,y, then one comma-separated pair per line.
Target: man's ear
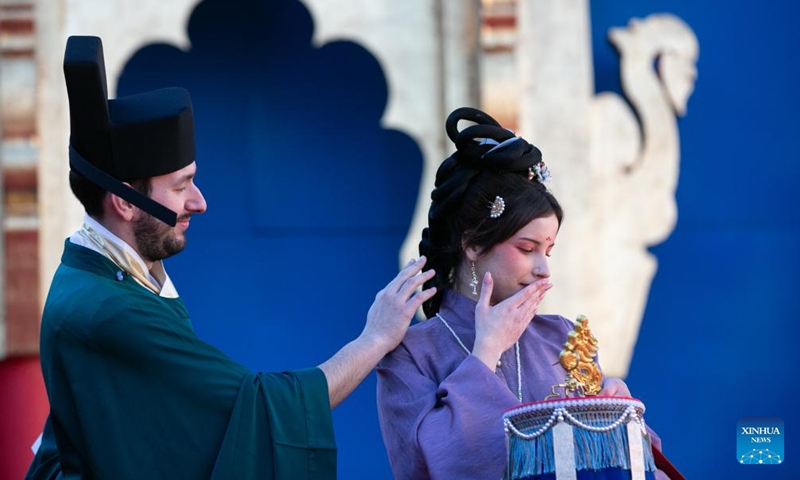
x,y
120,207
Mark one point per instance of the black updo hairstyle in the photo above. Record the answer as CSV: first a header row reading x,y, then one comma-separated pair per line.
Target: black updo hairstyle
x,y
466,185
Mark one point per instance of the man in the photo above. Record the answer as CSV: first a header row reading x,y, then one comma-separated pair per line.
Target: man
x,y
134,393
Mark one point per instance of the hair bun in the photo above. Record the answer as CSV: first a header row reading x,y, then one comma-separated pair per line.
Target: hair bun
x,y
488,145
466,113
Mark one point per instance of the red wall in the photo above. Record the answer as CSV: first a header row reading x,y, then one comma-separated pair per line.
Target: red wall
x,y
23,409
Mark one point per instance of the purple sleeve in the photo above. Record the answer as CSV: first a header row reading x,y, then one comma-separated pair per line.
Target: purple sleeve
x,y
442,431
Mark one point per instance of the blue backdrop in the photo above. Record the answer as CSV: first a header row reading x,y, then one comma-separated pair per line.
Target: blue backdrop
x,y
715,342
310,199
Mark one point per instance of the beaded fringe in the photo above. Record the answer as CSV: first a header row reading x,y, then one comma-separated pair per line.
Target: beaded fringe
x,y
593,450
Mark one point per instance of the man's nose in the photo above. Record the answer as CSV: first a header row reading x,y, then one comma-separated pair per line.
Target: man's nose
x,y
197,203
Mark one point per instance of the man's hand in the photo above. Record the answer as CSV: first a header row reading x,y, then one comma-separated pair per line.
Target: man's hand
x,y
387,322
394,306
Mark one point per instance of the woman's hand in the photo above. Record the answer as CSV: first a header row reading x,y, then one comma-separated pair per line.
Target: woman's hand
x,y
498,327
614,387
660,475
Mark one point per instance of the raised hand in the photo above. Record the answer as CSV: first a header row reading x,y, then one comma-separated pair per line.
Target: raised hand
x,y
387,322
498,327
395,305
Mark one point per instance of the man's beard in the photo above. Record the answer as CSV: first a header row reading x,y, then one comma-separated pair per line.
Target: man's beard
x,y
155,240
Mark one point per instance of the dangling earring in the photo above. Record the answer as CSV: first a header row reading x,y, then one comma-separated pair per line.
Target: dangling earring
x,y
474,282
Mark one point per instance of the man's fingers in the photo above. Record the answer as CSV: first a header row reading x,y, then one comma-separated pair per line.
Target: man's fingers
x,y
412,268
408,287
419,298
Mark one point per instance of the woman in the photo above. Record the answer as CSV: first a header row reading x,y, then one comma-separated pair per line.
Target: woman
x,y
484,349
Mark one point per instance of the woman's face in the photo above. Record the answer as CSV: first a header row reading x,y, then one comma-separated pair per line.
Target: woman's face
x,y
518,261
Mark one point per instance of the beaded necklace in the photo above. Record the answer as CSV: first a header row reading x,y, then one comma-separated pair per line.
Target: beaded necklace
x,y
516,351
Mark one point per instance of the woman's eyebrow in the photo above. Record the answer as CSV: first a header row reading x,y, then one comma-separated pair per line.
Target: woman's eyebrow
x,y
537,242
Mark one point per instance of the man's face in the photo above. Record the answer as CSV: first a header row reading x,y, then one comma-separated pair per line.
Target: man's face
x,y
155,240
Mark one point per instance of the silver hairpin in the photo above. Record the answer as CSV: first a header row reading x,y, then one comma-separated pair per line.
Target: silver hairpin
x,y
497,145
497,207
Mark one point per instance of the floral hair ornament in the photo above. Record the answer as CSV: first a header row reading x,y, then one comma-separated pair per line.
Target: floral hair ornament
x,y
540,172
497,207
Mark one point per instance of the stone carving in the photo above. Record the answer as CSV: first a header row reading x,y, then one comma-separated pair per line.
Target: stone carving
x,y
614,160
637,165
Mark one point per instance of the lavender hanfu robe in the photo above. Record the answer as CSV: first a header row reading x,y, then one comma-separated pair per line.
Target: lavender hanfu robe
x,y
441,409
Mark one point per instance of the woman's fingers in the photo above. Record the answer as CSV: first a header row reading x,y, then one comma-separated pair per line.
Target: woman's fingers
x,y
615,387
532,304
525,303
505,322
532,293
487,287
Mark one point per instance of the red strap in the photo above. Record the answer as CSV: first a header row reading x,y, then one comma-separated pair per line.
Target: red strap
x,y
666,466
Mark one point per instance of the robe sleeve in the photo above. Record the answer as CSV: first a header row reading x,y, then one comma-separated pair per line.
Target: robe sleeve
x,y
296,438
445,431
46,464
136,394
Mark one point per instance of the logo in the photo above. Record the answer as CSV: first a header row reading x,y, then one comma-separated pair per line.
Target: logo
x,y
759,441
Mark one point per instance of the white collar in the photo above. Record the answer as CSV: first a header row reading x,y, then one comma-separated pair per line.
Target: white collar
x,y
167,289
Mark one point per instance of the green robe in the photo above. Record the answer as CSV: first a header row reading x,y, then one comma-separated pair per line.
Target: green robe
x,y
135,394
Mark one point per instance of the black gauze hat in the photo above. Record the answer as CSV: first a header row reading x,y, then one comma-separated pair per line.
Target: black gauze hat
x,y
128,138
